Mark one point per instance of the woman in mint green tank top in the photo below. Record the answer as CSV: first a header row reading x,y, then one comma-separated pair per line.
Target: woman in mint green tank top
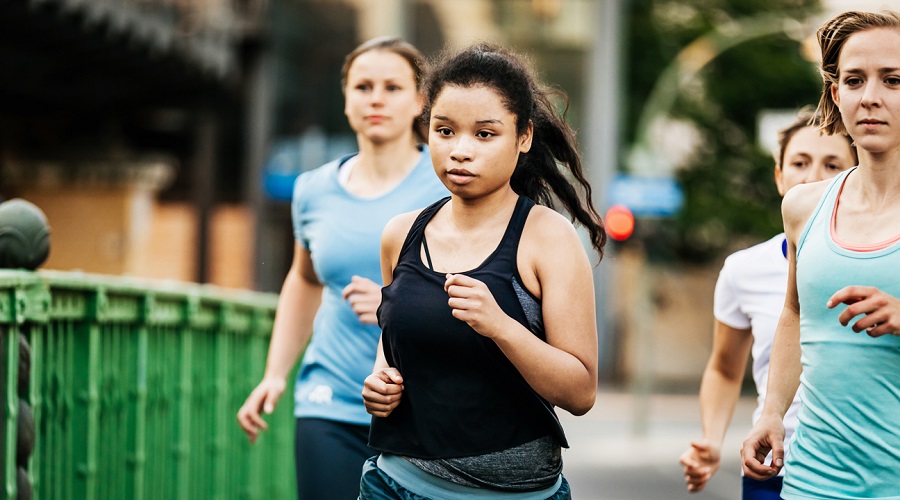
x,y
839,332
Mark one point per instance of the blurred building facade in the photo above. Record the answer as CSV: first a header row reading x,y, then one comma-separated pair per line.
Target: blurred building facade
x,y
162,137
122,120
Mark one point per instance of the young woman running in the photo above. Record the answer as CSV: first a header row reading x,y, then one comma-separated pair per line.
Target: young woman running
x,y
331,291
488,310
838,334
748,300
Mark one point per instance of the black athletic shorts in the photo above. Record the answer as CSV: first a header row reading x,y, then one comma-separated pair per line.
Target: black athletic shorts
x,y
329,457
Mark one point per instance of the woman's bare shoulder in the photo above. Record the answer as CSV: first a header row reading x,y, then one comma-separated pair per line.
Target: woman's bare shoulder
x,y
548,225
549,236
799,203
397,228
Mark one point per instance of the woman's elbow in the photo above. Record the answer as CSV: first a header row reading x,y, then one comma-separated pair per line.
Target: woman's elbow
x,y
582,403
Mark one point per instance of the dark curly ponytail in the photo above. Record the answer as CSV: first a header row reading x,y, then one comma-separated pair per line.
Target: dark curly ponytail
x,y
541,173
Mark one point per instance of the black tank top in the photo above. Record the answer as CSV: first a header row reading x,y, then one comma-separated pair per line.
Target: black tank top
x,y
462,396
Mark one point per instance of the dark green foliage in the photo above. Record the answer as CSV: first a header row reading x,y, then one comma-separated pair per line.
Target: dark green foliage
x,y
728,183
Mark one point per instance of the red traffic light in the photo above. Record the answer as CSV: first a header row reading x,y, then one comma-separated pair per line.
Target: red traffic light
x,y
619,222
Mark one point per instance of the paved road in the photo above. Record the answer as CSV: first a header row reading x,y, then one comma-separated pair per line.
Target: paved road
x,y
612,459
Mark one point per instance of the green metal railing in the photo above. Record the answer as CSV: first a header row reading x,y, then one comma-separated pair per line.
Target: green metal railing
x,y
133,387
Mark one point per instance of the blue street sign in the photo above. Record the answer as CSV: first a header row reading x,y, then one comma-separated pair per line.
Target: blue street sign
x,y
646,196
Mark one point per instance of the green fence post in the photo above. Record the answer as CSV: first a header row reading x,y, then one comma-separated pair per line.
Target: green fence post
x,y
24,305
33,309
9,374
37,402
140,412
221,398
185,400
86,411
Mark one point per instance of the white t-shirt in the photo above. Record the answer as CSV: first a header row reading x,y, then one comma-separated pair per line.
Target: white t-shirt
x,y
750,294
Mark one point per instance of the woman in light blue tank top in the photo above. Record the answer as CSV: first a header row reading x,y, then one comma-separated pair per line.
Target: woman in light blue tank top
x,y
839,333
333,288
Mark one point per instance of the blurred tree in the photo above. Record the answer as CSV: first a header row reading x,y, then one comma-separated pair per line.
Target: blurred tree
x,y
730,195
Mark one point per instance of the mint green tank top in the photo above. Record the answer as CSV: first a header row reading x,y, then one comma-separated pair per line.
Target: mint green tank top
x,y
847,445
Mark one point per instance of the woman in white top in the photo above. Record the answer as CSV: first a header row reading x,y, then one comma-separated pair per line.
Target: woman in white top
x,y
748,300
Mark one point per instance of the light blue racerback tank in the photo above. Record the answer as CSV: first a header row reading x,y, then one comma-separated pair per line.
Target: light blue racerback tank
x,y
847,445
